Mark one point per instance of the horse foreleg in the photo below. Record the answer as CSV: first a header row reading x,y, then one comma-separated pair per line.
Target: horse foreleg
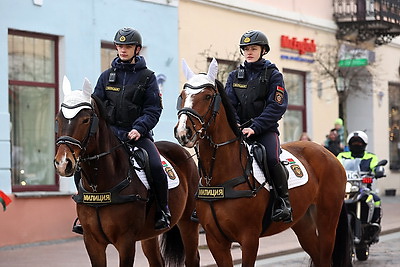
x,y
96,252
126,250
221,251
249,250
306,232
151,250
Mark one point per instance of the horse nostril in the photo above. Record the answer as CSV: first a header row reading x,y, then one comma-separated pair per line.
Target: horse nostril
x,y
69,165
188,133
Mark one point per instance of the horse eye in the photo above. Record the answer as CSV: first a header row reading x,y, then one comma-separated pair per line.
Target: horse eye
x,y
85,120
208,97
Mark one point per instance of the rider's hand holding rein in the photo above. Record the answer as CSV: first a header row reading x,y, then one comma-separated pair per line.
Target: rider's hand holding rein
x,y
134,135
248,132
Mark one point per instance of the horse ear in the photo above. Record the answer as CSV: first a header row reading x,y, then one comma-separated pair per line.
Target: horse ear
x,y
186,70
87,89
66,86
213,70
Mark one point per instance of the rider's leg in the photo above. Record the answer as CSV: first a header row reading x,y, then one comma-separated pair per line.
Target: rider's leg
x,y
160,183
376,218
77,227
282,209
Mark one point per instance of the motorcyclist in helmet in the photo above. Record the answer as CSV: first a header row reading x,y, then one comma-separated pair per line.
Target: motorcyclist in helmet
x,y
257,92
130,94
358,141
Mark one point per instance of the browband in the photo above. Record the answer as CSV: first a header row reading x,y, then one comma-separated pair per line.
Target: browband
x,y
198,87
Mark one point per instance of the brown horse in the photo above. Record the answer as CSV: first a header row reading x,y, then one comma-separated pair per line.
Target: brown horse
x,y
233,207
117,208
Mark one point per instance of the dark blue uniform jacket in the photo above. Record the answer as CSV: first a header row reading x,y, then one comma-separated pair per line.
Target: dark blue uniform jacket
x,y
276,98
127,77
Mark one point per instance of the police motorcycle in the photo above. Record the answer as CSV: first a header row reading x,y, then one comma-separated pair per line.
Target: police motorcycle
x,y
360,206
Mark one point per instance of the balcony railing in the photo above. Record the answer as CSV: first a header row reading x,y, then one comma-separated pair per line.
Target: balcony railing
x,y
364,20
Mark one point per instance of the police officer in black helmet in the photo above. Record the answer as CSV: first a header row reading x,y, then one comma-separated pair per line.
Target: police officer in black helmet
x,y
131,97
257,91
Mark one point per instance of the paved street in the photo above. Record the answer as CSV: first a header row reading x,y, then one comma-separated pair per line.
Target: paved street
x,y
71,252
384,254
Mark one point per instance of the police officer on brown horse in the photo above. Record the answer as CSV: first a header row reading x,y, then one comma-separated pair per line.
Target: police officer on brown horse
x,y
131,97
257,92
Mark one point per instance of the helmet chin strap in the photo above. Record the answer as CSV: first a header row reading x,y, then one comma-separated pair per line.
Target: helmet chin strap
x,y
262,54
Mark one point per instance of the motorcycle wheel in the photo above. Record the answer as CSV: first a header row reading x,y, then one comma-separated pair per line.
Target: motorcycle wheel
x,y
362,252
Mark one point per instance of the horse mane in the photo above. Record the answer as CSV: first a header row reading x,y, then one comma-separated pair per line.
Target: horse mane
x,y
229,109
100,105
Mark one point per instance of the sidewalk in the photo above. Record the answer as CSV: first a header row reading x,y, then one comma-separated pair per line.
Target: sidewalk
x,y
71,252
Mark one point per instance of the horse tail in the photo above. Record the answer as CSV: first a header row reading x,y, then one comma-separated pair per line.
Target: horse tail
x,y
172,247
341,255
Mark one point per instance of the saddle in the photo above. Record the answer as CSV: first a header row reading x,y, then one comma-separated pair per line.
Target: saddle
x,y
260,155
139,160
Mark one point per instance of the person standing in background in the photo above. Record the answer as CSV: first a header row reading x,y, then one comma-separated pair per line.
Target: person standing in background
x,y
340,131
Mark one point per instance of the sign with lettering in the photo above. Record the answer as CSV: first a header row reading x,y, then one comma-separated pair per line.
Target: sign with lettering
x,y
302,46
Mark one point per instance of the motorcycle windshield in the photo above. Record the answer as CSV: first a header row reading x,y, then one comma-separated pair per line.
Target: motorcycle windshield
x,y
351,164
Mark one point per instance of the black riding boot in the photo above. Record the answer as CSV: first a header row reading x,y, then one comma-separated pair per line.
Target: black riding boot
x,y
77,227
163,215
194,216
282,210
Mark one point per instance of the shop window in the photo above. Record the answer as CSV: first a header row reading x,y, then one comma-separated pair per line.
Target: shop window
x,y
294,120
394,126
32,75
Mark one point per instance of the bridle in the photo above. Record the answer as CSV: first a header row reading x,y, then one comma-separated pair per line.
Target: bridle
x,y
193,115
94,123
82,145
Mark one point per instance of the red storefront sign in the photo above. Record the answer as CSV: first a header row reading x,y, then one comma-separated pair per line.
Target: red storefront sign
x,y
304,46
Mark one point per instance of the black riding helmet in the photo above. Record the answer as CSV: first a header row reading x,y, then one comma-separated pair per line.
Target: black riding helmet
x,y
254,38
128,36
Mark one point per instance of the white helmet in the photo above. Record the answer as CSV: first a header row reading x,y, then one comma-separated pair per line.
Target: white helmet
x,y
359,134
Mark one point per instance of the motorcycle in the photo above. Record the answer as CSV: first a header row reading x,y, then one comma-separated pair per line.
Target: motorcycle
x,y
360,207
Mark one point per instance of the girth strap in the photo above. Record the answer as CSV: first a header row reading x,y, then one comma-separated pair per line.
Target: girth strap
x,y
225,190
106,198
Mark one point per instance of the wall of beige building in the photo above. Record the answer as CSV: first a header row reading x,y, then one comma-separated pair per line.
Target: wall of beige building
x,y
214,28
387,71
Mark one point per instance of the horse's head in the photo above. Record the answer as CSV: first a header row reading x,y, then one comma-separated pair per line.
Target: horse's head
x,y
197,105
75,123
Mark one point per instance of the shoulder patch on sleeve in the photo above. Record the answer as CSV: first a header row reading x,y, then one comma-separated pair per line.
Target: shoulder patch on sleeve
x,y
279,95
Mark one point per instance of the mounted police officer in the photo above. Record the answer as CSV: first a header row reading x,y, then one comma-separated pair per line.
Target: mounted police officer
x,y
257,91
131,97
